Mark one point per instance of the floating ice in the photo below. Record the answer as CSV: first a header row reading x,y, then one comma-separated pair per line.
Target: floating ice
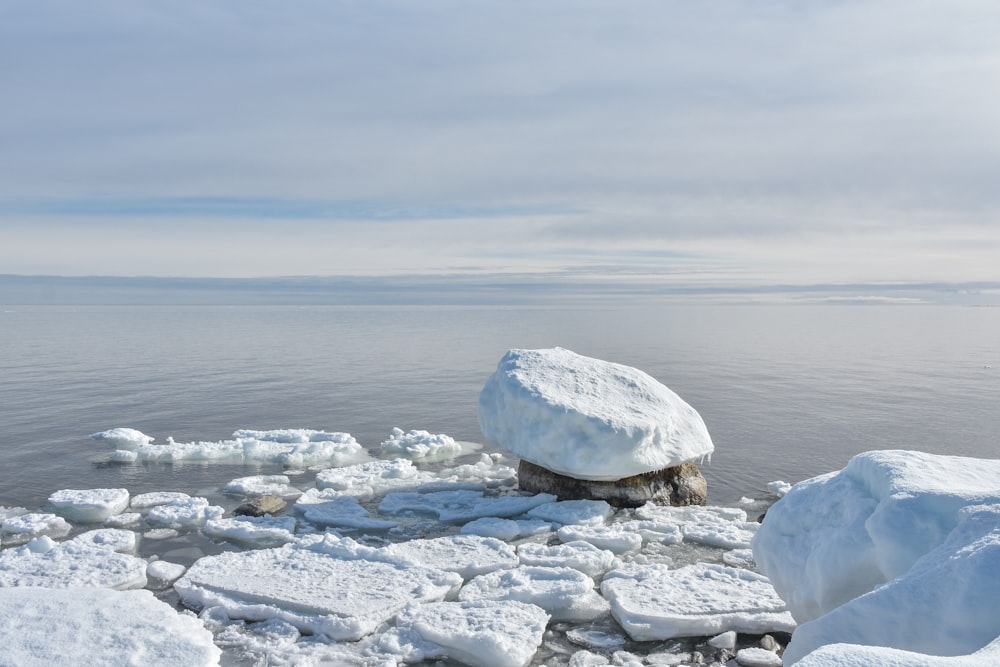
x,y
315,592
259,532
617,538
581,556
724,527
185,514
488,470
574,512
124,520
462,505
757,657
506,529
655,532
420,445
779,488
373,478
468,555
89,505
564,593
263,485
288,447
329,508
146,500
595,638
587,418
123,438
854,655
483,633
653,602
113,539
161,574
22,528
42,627
76,563
899,549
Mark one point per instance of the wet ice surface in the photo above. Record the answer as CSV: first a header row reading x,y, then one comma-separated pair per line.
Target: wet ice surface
x,y
387,561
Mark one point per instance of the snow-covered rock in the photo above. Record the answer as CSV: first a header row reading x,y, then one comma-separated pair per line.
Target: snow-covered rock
x,y
899,549
482,633
89,505
344,599
653,602
587,418
40,627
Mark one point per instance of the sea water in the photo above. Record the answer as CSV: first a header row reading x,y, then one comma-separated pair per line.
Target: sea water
x,y
787,392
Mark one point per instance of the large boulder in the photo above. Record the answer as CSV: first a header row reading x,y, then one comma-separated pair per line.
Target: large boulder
x,y
679,485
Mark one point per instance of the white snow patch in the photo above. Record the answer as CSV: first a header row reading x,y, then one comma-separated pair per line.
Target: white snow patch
x,y
779,488
757,657
587,418
468,555
653,602
42,627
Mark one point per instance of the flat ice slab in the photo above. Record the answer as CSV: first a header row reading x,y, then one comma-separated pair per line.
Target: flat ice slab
x,y
899,549
41,627
327,507
316,592
482,633
259,532
653,602
89,505
462,505
587,418
468,555
23,527
123,438
418,444
564,593
84,561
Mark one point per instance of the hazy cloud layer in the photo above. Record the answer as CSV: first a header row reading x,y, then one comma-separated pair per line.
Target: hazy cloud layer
x,y
761,142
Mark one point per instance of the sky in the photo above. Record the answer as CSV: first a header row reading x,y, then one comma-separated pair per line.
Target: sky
x,y
724,142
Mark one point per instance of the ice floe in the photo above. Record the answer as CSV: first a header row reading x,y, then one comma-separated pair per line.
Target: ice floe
x,y
40,627
468,555
587,418
184,514
564,593
83,561
419,445
654,602
89,505
899,549
162,574
262,485
617,538
574,512
582,556
123,438
317,593
374,478
463,505
259,532
328,507
482,633
507,530
144,501
21,528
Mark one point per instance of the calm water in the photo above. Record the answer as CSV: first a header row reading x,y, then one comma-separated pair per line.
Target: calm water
x,y
787,392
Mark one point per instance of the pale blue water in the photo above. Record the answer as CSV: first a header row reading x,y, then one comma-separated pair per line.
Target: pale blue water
x,y
787,392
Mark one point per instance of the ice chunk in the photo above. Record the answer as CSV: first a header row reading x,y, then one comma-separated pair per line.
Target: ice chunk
x,y
616,538
779,488
574,512
653,602
481,634
161,574
19,529
587,418
329,508
263,485
315,592
373,478
42,627
124,456
123,438
89,505
146,500
420,445
468,555
757,657
186,514
124,520
655,532
855,655
254,531
906,518
73,564
113,539
506,529
461,505
726,640
564,593
488,470
581,556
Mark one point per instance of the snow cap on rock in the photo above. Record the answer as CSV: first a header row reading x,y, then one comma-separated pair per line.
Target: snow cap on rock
x,y
587,418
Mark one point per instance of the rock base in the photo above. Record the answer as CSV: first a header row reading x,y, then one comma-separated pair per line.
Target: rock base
x,y
680,485
260,506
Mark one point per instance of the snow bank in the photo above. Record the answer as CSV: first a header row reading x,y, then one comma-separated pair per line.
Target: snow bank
x,y
41,627
587,418
899,549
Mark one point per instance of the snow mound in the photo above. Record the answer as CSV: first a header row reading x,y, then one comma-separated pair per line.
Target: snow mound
x,y
564,593
653,602
89,505
317,593
898,549
420,445
587,418
42,627
123,438
482,633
